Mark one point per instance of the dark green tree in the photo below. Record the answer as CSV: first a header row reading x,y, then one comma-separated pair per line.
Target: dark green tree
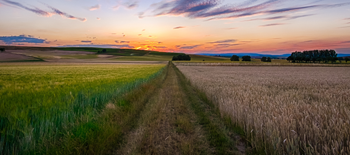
x,y
346,59
104,50
234,58
246,58
263,59
2,49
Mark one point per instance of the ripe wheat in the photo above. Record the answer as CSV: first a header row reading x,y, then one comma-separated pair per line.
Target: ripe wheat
x,y
283,110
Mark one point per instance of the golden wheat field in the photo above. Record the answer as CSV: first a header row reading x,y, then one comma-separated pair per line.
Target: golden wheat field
x,y
283,110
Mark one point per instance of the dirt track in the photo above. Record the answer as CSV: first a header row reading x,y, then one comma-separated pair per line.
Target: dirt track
x,y
176,121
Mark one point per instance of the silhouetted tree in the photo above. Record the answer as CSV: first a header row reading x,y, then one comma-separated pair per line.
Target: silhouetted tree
x,y
246,58
314,55
181,57
2,49
268,59
234,58
263,59
347,59
104,50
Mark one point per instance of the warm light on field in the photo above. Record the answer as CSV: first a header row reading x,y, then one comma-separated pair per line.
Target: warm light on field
x,y
283,110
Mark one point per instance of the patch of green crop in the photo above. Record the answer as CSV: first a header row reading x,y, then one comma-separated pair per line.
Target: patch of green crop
x,y
40,102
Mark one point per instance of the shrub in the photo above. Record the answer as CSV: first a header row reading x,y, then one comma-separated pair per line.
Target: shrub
x,y
246,58
234,58
346,59
182,57
263,59
2,49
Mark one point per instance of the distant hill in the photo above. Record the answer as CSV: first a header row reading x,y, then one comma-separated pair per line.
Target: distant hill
x,y
256,55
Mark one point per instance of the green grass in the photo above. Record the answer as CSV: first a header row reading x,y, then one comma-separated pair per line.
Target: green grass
x,y
39,103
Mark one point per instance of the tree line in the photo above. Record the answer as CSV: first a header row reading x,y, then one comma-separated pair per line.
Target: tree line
x,y
244,58
315,56
182,57
264,59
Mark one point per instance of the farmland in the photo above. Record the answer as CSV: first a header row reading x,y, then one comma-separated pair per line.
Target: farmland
x,y
282,110
41,101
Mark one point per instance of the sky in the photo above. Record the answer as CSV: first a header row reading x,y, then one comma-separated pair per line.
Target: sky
x,y
188,26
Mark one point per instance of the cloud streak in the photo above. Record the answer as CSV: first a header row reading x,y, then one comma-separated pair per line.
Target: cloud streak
x,y
42,12
273,24
224,41
179,27
214,9
86,41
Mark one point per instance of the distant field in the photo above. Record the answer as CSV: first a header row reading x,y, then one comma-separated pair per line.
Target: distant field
x,y
282,110
6,57
41,101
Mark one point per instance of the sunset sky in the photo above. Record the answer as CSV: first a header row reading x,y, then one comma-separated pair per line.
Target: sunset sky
x,y
189,26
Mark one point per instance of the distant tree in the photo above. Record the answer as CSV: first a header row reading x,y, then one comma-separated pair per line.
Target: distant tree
x,y
314,55
2,49
181,57
246,58
104,50
263,59
347,59
268,59
234,58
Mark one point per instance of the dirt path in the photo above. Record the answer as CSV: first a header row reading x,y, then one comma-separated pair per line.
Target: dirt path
x,y
176,121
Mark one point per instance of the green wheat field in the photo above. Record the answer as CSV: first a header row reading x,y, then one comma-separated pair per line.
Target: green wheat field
x,y
43,103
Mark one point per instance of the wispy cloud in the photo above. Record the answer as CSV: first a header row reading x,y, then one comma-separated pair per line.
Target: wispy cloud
x,y
273,24
346,42
21,39
215,9
223,41
56,11
95,7
42,12
281,17
179,27
86,41
187,47
128,5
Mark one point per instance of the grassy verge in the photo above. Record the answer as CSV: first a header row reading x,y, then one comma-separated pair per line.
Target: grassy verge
x,y
220,133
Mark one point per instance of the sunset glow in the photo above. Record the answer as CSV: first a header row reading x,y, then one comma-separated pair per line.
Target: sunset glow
x,y
195,26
